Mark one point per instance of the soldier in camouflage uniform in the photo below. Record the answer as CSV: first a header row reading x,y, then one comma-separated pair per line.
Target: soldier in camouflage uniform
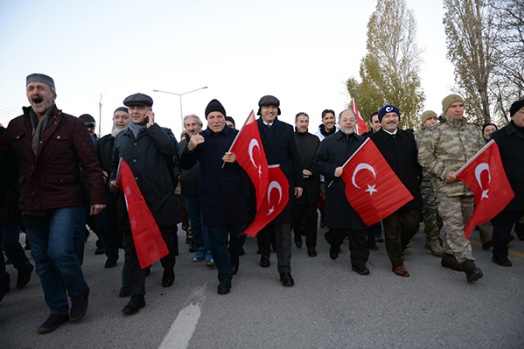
x,y
445,148
432,220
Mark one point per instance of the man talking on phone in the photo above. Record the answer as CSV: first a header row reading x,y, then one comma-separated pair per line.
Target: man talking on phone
x,y
148,149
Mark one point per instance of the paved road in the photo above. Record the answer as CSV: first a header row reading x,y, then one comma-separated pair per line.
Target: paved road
x,y
329,307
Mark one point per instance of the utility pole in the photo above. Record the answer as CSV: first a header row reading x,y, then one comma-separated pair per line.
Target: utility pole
x,y
100,117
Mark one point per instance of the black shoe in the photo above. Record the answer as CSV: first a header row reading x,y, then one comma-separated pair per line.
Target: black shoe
x,y
264,261
333,252
191,246
99,248
224,287
311,252
24,277
124,292
472,272
111,262
298,240
286,279
235,262
134,305
52,323
502,261
79,306
361,270
379,239
373,247
242,252
449,261
168,278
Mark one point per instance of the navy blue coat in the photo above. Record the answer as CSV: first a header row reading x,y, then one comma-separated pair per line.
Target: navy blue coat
x,y
333,152
282,149
149,156
221,188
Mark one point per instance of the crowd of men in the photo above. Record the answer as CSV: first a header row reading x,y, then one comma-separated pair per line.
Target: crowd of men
x,y
57,176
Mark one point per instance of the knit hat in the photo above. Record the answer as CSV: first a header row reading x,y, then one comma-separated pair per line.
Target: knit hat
x,y
515,107
449,100
268,100
428,114
488,124
215,105
388,108
40,78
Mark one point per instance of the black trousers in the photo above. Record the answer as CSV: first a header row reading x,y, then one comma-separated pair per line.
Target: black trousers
x,y
305,222
282,233
502,225
358,244
136,276
399,228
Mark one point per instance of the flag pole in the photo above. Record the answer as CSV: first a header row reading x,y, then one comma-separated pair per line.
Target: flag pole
x,y
238,134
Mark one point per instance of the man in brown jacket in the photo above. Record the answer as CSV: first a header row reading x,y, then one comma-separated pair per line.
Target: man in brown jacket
x,y
47,147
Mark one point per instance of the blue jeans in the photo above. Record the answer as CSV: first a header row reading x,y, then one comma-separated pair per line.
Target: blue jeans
x,y
218,236
55,249
11,245
198,230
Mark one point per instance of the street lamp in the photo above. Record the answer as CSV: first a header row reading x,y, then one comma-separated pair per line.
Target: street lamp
x,y
180,99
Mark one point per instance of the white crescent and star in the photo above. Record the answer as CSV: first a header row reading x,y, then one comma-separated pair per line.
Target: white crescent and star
x,y
364,166
252,144
271,186
478,172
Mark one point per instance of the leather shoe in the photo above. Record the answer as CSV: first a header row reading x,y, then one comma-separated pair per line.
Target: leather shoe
x,y
502,261
400,271
134,305
487,245
235,262
24,277
79,306
333,252
224,287
373,246
286,279
311,252
124,292
298,240
264,261
168,278
52,323
361,270
111,262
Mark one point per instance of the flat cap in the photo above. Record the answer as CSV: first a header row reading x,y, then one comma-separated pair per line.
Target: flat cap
x,y
268,100
40,78
138,99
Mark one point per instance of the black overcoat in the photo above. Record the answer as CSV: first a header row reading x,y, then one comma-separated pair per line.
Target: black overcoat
x,y
307,145
333,152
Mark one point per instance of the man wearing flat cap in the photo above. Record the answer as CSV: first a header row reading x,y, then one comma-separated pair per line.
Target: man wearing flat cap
x,y
221,187
280,147
400,151
510,140
149,150
47,147
444,149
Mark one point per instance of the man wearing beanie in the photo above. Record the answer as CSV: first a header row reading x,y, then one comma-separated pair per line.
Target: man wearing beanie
x,y
280,148
221,185
444,149
149,150
510,140
400,151
432,220
46,146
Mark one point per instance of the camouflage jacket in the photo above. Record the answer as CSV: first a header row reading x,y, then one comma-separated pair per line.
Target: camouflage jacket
x,y
446,147
426,177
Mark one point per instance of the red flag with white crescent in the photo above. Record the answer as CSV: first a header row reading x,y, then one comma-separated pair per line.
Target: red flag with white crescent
x,y
372,188
484,175
361,126
250,154
149,244
275,200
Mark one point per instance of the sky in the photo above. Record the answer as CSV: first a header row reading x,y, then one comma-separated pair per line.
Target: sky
x,y
101,51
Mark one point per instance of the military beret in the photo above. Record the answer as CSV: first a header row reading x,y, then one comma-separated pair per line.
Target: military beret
x,y
268,100
138,99
215,105
388,108
449,100
515,107
40,78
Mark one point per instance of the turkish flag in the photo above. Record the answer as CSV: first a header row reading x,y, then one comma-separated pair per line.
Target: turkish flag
x,y
372,188
484,175
361,125
149,244
275,200
250,154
